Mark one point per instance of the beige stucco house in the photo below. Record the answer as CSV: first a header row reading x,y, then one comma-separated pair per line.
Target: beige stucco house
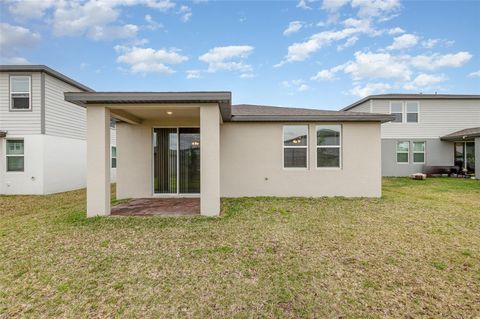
x,y
197,144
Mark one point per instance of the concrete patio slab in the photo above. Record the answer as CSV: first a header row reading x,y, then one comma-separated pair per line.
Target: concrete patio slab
x,y
158,207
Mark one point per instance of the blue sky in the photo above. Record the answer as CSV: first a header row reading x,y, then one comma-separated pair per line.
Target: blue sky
x,y
319,54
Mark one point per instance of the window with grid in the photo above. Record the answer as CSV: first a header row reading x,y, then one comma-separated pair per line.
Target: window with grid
x,y
328,145
15,156
412,112
419,152
20,97
396,109
403,149
295,146
114,157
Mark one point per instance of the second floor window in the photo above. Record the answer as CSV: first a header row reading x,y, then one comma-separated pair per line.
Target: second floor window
x,y
20,95
396,109
412,112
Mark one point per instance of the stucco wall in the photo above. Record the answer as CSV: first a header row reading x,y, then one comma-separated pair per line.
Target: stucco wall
x,y
251,163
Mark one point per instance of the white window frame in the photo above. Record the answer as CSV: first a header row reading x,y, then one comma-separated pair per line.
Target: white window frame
x,y
299,146
14,155
339,146
397,152
403,111
417,152
406,112
113,157
29,93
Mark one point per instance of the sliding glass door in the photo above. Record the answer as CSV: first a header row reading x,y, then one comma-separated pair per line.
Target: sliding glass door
x,y
465,156
176,160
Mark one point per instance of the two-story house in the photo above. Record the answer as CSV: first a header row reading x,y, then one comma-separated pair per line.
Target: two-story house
x,y
42,137
429,131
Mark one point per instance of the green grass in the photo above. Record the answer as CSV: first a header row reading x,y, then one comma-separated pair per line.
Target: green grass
x,y
413,253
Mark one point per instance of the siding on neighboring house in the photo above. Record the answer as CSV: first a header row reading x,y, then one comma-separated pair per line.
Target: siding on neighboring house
x,y
364,107
61,117
20,122
436,118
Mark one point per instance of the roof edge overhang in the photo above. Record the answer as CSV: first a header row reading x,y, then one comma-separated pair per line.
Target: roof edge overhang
x,y
400,96
313,118
46,69
222,98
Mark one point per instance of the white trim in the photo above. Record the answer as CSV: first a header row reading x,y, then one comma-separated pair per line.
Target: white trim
x,y
339,146
299,146
417,152
403,152
403,111
10,104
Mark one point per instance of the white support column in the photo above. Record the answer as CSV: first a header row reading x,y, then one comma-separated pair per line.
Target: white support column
x,y
209,160
98,161
477,157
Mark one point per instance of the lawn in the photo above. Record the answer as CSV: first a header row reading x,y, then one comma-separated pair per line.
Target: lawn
x,y
413,253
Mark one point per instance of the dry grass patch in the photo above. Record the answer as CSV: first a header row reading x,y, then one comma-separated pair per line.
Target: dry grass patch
x,y
413,253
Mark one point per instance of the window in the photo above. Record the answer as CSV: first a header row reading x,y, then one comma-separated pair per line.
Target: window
x,y
295,146
328,145
20,93
114,157
419,152
412,112
15,156
396,109
402,152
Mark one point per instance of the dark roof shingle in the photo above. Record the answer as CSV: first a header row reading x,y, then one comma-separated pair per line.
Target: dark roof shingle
x,y
468,133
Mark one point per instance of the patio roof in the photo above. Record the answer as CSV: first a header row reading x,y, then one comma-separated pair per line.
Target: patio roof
x,y
236,113
466,134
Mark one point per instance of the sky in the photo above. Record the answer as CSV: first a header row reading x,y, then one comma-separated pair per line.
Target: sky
x,y
305,53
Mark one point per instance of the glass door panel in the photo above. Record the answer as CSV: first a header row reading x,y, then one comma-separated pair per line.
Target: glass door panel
x,y
459,155
470,156
165,160
189,160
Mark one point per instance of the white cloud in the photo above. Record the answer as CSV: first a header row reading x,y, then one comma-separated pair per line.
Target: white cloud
x,y
475,74
333,5
148,60
350,42
424,80
375,8
13,38
228,58
369,89
247,75
436,61
404,41
323,75
296,85
193,74
113,32
303,4
395,30
186,13
151,23
30,9
293,27
368,65
430,43
13,60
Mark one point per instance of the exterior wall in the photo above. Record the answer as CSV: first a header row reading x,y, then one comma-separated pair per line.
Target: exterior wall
x,y
251,163
134,161
61,117
437,153
21,122
31,180
64,164
364,107
477,157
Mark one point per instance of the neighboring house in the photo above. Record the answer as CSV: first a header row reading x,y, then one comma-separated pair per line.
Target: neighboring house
x,y
197,144
429,131
42,137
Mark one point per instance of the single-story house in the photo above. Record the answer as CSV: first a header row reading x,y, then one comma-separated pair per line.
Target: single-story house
x,y
196,144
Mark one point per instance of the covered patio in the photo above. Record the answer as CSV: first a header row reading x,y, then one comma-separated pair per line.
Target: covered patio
x,y
467,149
168,151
